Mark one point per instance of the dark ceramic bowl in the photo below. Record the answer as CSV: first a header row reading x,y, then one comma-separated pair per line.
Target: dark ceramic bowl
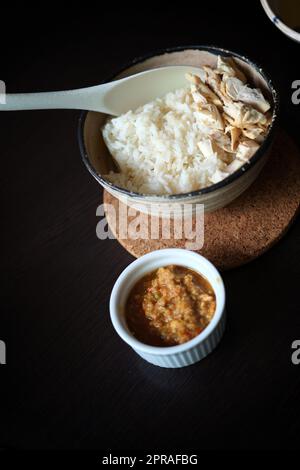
x,y
99,162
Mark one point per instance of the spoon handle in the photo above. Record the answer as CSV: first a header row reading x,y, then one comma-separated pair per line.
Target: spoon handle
x,y
91,99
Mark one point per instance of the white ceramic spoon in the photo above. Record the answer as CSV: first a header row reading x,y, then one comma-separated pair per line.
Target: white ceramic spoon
x,y
112,98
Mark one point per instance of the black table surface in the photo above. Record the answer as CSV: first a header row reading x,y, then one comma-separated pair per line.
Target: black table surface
x,y
72,382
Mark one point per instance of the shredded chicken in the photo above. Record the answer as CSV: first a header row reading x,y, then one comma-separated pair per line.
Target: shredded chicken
x,y
246,149
228,68
238,91
236,116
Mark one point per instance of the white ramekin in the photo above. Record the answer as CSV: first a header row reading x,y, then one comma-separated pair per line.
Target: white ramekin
x,y
183,354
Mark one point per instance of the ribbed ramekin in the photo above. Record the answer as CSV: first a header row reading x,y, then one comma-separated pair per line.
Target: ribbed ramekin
x,y
183,354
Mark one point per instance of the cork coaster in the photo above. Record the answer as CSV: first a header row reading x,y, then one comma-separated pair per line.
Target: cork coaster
x,y
250,225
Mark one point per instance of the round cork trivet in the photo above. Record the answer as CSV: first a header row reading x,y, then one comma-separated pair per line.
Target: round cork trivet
x,y
247,227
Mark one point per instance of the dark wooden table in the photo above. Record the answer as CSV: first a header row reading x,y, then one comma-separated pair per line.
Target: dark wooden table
x,y
72,382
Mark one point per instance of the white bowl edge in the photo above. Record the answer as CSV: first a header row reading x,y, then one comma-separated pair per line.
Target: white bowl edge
x,y
284,28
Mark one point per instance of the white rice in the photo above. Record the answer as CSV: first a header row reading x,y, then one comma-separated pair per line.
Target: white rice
x,y
156,147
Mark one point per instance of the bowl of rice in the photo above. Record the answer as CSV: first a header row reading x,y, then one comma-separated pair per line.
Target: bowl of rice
x,y
203,144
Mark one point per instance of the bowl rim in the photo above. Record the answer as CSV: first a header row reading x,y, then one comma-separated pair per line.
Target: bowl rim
x,y
170,253
209,189
283,27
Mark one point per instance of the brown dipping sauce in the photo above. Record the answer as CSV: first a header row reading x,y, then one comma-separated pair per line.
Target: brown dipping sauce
x,y
170,306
